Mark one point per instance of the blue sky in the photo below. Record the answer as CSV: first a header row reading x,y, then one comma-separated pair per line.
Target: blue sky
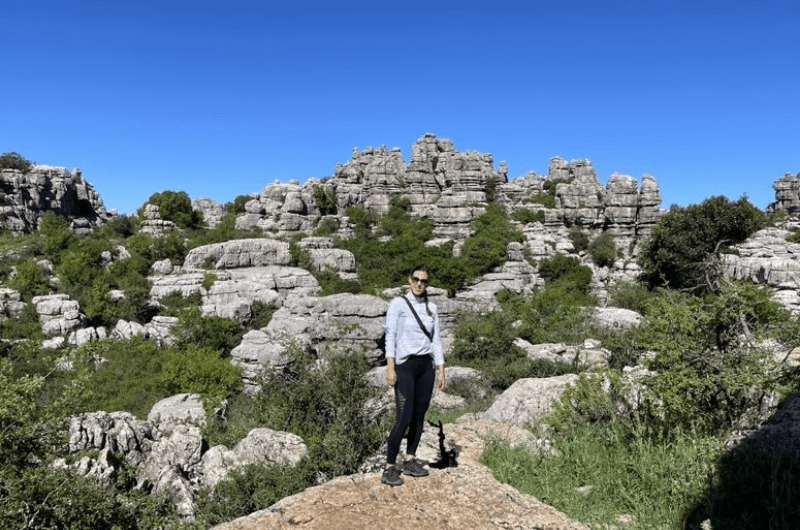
x,y
222,98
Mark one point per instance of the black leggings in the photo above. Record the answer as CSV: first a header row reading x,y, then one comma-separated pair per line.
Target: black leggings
x,y
412,394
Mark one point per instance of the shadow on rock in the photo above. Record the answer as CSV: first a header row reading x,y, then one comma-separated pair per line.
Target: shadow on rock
x,y
756,482
447,457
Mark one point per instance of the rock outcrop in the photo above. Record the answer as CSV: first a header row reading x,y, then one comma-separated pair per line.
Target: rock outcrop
x,y
341,321
767,258
467,496
58,314
26,197
787,194
211,210
529,400
238,253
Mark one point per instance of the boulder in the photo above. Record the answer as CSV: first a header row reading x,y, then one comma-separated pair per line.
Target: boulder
x,y
615,318
529,400
260,446
118,432
180,409
239,253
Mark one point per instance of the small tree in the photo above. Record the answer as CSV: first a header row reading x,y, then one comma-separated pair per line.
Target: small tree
x,y
603,250
12,160
176,206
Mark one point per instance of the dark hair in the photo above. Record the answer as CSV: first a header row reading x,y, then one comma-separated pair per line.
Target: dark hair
x,y
422,268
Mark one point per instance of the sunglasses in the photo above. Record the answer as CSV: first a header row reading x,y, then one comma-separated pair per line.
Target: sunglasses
x,y
423,281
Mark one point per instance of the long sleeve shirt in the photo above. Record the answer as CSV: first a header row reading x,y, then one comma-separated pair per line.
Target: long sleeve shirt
x,y
404,338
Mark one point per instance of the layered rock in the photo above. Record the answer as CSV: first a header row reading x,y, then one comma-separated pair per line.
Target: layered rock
x,y
26,197
238,253
11,304
153,224
787,194
586,356
767,258
58,314
339,322
168,451
211,210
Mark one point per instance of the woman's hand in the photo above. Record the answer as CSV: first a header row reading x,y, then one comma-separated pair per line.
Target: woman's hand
x,y
440,378
391,376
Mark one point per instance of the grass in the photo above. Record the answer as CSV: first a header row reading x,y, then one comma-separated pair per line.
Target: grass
x,y
657,483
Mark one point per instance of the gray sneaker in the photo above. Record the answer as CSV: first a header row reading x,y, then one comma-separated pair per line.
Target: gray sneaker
x,y
414,468
391,476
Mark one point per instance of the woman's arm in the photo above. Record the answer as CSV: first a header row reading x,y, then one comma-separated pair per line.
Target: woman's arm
x,y
438,353
390,328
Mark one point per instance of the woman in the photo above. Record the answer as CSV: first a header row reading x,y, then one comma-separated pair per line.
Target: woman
x,y
413,347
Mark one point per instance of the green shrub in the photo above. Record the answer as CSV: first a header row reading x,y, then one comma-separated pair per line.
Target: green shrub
x,y
224,231
173,303
251,488
684,237
176,206
25,326
54,235
13,160
548,200
214,333
201,371
603,250
629,295
169,246
30,280
260,315
237,205
556,313
486,342
323,403
327,226
525,216
487,247
567,271
325,199
579,238
362,220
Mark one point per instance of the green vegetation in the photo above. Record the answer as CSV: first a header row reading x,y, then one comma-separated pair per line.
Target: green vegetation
x,y
525,216
656,483
325,199
579,238
566,272
325,405
176,206
13,160
603,250
682,241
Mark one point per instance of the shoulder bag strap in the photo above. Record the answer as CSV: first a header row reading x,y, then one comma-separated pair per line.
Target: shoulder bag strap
x,y
419,321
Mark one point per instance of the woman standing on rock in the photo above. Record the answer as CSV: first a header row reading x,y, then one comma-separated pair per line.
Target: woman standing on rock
x,y
413,347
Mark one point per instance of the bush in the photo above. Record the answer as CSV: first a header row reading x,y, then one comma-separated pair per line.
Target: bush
x,y
556,313
675,252
525,216
325,199
548,200
567,271
487,247
603,250
214,333
237,205
54,235
30,280
579,238
12,160
251,488
176,206
629,295
201,371
323,402
225,231
327,226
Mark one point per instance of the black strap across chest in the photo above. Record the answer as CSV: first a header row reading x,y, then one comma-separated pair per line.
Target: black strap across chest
x,y
427,333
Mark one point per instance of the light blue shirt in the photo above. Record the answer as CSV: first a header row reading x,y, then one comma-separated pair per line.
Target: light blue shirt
x,y
403,336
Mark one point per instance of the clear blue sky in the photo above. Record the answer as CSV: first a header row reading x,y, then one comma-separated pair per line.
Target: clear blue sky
x,y
221,98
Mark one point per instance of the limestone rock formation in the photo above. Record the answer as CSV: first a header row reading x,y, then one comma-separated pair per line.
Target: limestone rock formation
x,y
119,432
211,210
787,194
340,321
238,253
528,400
260,446
26,197
767,258
11,304
153,224
58,314
615,318
586,356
